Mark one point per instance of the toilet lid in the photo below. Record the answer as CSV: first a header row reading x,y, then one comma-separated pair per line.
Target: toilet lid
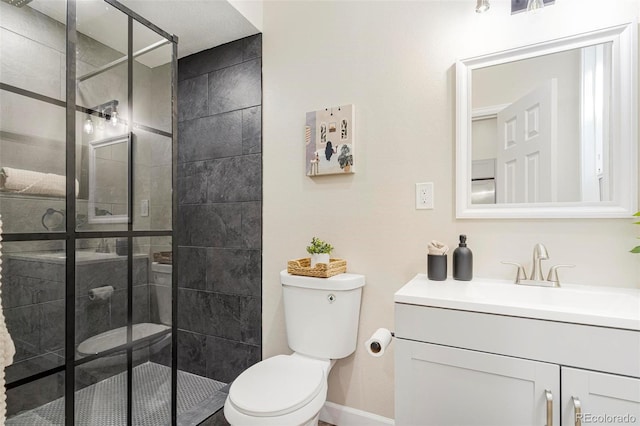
x,y
276,386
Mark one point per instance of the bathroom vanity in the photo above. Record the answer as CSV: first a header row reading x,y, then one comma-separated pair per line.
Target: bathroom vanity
x,y
490,352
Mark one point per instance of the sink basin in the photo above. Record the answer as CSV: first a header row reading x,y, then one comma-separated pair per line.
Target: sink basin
x,y
603,306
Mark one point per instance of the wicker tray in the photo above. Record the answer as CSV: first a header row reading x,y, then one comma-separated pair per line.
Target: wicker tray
x,y
164,257
321,270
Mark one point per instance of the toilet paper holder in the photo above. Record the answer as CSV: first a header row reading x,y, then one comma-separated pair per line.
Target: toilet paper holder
x,y
101,293
379,341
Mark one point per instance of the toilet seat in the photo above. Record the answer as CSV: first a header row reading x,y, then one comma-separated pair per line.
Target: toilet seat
x,y
277,386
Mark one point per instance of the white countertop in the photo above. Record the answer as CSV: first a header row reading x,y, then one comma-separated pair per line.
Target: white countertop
x,y
601,306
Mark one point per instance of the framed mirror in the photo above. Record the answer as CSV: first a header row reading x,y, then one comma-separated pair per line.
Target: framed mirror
x,y
549,130
109,180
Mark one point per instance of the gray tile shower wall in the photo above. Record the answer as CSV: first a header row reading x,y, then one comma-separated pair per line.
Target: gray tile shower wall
x,y
220,209
34,309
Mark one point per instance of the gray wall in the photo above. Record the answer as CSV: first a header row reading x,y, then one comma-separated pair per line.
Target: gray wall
x,y
220,209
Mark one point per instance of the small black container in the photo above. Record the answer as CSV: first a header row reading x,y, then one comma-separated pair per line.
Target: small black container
x,y
462,261
121,247
437,267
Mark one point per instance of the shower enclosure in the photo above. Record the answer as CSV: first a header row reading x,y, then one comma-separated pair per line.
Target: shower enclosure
x,y
87,167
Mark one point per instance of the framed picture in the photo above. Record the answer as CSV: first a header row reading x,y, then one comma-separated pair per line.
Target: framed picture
x,y
330,151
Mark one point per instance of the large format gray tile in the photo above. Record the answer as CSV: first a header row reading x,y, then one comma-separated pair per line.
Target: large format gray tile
x,y
35,394
212,225
252,47
160,304
36,269
210,137
92,317
191,352
192,264
233,317
30,65
226,359
33,25
235,271
252,130
210,60
192,182
235,179
52,326
235,87
31,366
99,274
192,311
252,225
23,324
21,291
118,306
193,97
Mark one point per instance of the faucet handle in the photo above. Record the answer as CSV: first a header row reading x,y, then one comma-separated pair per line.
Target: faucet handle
x,y
553,273
520,274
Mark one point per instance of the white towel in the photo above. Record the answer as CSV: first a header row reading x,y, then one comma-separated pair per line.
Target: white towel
x,y
437,248
7,348
29,182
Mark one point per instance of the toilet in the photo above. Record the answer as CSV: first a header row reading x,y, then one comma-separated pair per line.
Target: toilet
x,y
153,337
321,316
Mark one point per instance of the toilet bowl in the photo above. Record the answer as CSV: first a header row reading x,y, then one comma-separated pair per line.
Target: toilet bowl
x,y
153,337
282,390
321,317
149,338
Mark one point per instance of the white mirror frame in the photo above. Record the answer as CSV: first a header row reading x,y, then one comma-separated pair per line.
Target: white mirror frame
x,y
122,218
624,135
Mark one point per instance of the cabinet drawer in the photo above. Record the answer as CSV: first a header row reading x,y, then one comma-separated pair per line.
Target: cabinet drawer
x,y
595,348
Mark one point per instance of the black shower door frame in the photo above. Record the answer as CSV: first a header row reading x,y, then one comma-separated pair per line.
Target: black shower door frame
x,y
71,234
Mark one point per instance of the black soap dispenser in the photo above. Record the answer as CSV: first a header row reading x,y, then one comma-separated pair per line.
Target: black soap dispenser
x,y
462,261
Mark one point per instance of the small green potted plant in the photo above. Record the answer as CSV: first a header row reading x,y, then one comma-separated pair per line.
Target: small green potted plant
x,y
319,251
636,249
345,159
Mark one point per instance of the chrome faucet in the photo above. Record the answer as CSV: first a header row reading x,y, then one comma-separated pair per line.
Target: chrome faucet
x,y
539,254
537,277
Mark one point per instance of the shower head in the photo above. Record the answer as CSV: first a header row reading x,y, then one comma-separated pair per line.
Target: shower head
x,y
17,3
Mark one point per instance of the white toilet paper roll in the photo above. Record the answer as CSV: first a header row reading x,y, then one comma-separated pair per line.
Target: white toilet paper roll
x,y
100,293
378,342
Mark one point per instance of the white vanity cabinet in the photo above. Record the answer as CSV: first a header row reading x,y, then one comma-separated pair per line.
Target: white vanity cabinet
x,y
464,359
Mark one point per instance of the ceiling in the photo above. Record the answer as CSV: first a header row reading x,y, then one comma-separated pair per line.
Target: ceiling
x,y
199,24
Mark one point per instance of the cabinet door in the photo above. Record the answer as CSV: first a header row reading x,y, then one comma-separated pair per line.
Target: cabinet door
x,y
444,386
604,399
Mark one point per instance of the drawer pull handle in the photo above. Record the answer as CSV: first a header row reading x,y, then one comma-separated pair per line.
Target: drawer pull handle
x,y
549,397
577,408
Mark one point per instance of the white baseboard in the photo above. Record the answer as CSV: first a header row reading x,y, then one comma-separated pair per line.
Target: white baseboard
x,y
341,415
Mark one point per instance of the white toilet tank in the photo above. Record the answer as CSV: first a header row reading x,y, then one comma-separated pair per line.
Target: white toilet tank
x,y
322,314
